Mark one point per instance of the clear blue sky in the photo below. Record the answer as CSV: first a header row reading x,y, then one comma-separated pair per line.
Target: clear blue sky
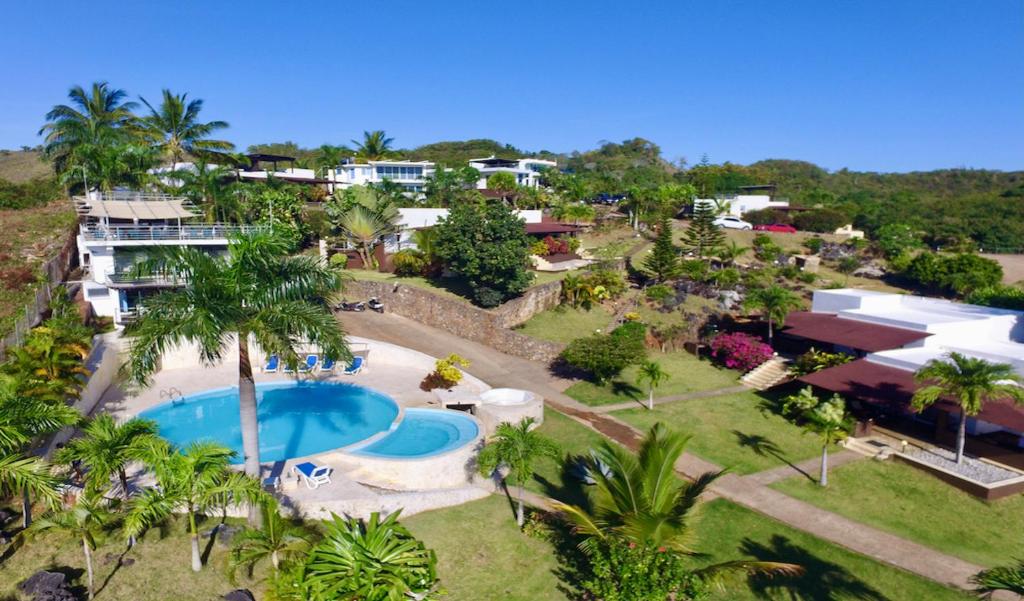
x,y
865,84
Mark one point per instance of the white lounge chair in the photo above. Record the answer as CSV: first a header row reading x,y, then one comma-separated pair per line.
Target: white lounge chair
x,y
312,474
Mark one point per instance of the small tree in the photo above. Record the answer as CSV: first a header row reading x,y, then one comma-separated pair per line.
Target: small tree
x,y
518,447
106,448
603,356
702,234
775,303
277,540
654,375
829,420
87,520
663,260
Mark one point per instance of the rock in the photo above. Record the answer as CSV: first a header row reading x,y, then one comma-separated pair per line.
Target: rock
x,y
729,299
47,586
871,270
226,534
240,594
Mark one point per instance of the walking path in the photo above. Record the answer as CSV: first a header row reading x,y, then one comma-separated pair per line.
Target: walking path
x,y
689,396
499,369
808,468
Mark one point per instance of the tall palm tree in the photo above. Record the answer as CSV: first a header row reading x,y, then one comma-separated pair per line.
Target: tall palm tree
x,y
376,560
88,520
775,303
256,291
98,117
175,129
652,373
1001,578
107,447
328,156
277,539
829,420
518,447
970,382
210,187
197,479
375,146
640,500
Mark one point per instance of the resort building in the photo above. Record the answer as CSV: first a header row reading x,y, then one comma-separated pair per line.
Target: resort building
x,y
745,199
117,230
526,171
412,175
893,335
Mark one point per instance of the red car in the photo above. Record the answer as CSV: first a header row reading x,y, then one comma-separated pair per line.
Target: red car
x,y
775,227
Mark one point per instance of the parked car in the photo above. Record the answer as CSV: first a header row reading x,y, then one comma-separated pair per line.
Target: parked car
x,y
733,223
776,227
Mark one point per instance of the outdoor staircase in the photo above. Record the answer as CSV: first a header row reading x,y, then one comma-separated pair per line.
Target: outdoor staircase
x,y
770,373
869,447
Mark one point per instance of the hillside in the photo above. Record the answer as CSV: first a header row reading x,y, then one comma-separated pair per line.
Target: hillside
x,y
20,166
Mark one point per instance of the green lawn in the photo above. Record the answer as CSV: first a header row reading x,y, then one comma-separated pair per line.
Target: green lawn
x,y
728,531
917,506
564,324
686,374
731,431
447,287
574,439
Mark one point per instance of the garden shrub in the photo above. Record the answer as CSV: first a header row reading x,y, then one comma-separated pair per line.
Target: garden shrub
x,y
813,244
604,356
446,373
1003,297
815,360
820,220
556,246
737,350
659,292
339,260
695,269
487,297
614,281
539,249
957,274
765,249
574,245
409,263
894,239
767,216
631,333
807,277
626,571
726,278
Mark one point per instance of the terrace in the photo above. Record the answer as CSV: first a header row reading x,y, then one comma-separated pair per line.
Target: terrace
x,y
214,232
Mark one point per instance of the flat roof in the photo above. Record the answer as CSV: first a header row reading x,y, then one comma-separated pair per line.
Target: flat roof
x,y
860,335
547,227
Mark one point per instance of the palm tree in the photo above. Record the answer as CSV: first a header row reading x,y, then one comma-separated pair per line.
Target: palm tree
x,y
328,157
654,375
571,287
277,540
728,253
175,129
88,520
98,117
197,479
829,420
640,500
970,382
209,186
375,146
376,560
518,447
51,360
1002,578
106,448
775,303
256,291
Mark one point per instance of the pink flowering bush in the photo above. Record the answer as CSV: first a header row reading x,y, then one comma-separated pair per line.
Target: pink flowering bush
x,y
737,350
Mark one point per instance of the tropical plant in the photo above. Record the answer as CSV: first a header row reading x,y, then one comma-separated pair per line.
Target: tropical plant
x,y
375,560
702,235
448,187
970,382
446,373
174,127
328,157
652,373
277,539
814,361
196,479
1002,578
775,303
603,355
663,260
517,447
829,420
375,146
639,502
106,448
254,292
364,216
573,211
50,361
728,253
503,182
87,520
737,350
209,187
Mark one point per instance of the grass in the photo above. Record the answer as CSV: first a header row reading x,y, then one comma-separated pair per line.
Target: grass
x,y
610,243
447,287
686,374
20,166
912,504
728,531
564,324
731,431
574,439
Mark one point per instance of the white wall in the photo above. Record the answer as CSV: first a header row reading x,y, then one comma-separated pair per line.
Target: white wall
x,y
743,203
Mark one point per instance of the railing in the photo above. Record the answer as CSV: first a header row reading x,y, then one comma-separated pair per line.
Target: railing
x,y
128,195
143,233
125,279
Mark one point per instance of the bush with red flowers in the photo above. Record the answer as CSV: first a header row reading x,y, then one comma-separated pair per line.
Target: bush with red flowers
x,y
737,350
556,246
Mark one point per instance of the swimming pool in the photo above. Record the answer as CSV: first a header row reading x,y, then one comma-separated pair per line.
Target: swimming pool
x,y
296,418
421,433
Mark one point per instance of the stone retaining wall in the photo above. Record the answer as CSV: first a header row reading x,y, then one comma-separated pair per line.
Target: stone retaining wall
x,y
486,326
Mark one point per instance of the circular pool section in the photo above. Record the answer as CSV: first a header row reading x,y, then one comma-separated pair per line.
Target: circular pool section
x,y
422,433
296,418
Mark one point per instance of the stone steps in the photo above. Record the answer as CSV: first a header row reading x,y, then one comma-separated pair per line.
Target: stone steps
x,y
770,373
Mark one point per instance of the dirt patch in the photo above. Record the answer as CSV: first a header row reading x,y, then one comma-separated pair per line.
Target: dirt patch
x,y
1013,267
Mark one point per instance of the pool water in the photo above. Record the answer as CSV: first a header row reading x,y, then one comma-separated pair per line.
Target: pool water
x,y
296,418
423,432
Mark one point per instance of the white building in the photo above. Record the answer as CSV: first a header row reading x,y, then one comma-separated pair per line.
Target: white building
x,y
412,219
739,204
526,171
119,227
412,175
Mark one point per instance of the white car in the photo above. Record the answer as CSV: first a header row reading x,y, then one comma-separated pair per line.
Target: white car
x,y
733,223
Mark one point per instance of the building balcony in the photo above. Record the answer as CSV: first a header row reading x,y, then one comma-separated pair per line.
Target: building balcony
x,y
214,233
124,280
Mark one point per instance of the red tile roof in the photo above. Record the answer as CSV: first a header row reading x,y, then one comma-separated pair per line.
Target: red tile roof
x,y
863,336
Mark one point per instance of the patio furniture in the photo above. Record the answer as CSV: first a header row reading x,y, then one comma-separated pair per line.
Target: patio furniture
x,y
309,364
312,474
327,364
273,363
272,484
353,368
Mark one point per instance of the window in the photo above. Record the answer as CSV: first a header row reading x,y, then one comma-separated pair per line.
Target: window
x,y
399,172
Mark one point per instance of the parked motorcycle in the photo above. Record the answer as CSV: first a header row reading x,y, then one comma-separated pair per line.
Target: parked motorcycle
x,y
376,305
356,306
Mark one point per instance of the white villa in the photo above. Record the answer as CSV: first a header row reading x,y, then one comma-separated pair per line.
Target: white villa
x,y
412,175
526,171
739,204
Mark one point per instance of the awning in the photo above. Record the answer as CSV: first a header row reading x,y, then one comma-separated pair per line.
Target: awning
x,y
550,228
860,335
139,209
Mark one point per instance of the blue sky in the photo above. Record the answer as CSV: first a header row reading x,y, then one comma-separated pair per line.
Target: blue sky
x,y
869,84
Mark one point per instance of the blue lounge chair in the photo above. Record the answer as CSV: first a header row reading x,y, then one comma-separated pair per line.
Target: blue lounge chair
x,y
353,368
327,364
273,363
309,364
312,474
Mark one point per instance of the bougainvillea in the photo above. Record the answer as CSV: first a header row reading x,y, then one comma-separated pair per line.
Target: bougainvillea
x,y
737,350
556,246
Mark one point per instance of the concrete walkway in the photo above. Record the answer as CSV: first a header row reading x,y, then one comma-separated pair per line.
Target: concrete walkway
x,y
642,403
499,369
809,468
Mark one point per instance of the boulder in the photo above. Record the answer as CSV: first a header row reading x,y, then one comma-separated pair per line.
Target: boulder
x,y
240,594
871,270
47,586
729,300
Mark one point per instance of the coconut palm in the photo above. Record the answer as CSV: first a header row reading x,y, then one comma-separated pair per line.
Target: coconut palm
x,y
209,187
174,127
88,520
375,146
729,252
50,362
652,373
328,157
639,500
277,539
517,447
970,382
107,447
1001,578
775,303
196,479
376,560
829,420
254,292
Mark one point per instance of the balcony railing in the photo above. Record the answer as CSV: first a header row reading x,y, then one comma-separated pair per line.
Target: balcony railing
x,y
144,233
124,279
